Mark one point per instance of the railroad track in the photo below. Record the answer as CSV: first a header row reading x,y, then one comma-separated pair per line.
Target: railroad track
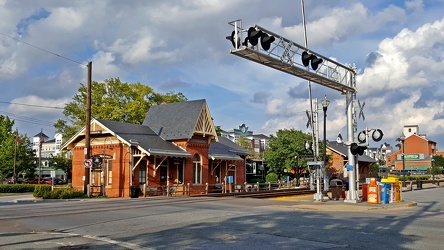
x,y
266,194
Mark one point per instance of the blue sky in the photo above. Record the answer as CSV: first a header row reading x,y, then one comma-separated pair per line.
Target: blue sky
x,y
180,46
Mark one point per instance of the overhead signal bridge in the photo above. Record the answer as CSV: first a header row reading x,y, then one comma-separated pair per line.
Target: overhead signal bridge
x,y
282,54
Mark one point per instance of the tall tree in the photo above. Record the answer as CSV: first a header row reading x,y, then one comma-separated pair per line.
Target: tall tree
x,y
284,151
15,147
61,161
112,100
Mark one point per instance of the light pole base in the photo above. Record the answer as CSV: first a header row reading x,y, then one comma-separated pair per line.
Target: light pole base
x,y
318,197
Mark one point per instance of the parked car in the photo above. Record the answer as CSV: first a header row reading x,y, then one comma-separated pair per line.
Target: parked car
x,y
50,180
18,181
36,181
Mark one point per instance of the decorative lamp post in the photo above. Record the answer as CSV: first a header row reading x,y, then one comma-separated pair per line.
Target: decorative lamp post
x,y
402,138
325,103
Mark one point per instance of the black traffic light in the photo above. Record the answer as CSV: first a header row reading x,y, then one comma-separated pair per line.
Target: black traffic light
x,y
96,161
377,135
356,149
308,58
253,36
234,38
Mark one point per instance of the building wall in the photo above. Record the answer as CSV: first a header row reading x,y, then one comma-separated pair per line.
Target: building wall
x,y
412,145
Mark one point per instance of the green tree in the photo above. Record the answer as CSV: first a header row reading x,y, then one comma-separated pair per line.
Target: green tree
x,y
15,147
61,161
284,151
112,100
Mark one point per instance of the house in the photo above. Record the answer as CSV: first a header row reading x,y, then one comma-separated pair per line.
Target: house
x,y
338,152
176,145
256,167
45,149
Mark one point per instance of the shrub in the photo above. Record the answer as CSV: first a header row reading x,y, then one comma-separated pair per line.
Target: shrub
x,y
271,177
40,190
71,193
16,188
255,180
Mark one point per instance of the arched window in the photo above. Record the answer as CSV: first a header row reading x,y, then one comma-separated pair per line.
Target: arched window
x,y
197,170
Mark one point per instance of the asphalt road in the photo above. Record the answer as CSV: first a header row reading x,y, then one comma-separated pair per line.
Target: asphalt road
x,y
223,223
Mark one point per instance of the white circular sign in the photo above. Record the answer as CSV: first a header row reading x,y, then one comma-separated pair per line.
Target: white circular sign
x,y
87,163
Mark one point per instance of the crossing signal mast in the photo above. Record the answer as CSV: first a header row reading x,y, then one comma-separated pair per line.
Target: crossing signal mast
x,y
280,53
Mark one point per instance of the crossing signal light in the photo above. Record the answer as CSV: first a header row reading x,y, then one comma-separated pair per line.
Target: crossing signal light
x,y
355,149
377,135
266,41
253,36
97,161
234,38
308,59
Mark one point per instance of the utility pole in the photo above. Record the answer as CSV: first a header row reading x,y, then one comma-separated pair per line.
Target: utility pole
x,y
88,128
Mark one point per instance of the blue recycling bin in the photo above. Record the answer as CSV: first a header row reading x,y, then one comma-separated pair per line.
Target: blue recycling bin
x,y
385,193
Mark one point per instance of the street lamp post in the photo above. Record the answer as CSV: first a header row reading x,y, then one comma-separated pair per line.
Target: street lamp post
x,y
433,171
402,138
325,103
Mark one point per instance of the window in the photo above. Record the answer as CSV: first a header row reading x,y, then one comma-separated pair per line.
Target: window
x,y
197,169
142,172
109,172
180,172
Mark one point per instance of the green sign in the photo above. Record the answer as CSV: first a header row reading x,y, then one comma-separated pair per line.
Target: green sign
x,y
411,157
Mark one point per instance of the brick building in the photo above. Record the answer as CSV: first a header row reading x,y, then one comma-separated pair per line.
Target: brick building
x,y
176,144
418,151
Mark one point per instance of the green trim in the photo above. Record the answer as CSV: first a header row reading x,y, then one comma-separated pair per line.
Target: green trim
x,y
417,167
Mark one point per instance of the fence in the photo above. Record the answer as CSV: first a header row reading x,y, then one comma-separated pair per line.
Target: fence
x,y
189,189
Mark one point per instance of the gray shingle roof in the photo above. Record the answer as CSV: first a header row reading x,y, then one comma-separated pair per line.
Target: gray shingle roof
x,y
225,149
342,149
174,120
145,136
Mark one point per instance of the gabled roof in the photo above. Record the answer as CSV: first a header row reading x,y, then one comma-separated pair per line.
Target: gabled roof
x,y
181,120
147,140
342,149
225,149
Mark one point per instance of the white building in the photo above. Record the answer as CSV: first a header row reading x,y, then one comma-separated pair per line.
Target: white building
x,y
49,148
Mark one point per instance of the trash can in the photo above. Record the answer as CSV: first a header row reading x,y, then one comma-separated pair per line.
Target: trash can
x,y
419,184
134,191
336,189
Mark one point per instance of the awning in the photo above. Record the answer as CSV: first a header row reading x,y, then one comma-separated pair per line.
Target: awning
x,y
225,157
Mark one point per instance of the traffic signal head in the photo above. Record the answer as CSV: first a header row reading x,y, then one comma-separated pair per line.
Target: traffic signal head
x,y
308,58
97,161
362,137
253,36
234,38
377,135
266,41
355,149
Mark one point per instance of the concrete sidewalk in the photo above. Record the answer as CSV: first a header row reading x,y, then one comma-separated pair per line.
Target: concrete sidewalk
x,y
308,203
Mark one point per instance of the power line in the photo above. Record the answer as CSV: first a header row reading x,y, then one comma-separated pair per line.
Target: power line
x,y
32,105
45,50
28,119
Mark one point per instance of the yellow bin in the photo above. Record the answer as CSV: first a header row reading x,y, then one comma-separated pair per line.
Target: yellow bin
x,y
396,188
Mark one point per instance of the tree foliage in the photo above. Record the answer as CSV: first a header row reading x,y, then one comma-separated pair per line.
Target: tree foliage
x,y
61,161
284,151
112,100
15,146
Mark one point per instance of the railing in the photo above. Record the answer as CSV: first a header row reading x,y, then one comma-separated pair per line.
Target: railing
x,y
190,189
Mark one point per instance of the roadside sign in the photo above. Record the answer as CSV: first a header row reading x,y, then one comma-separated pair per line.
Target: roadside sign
x,y
87,163
349,167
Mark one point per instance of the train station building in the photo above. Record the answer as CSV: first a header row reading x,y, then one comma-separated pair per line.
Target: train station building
x,y
176,146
